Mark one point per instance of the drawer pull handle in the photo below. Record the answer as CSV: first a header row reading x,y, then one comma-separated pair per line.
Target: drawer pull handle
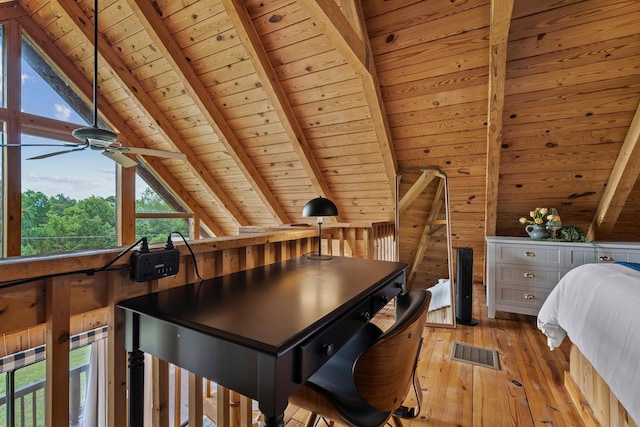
x,y
365,316
529,275
529,253
328,350
606,258
383,298
529,296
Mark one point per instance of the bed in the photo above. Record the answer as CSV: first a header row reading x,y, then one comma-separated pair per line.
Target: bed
x,y
597,306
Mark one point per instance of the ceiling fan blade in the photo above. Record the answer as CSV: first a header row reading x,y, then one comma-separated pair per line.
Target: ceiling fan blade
x,y
152,152
120,158
39,145
56,153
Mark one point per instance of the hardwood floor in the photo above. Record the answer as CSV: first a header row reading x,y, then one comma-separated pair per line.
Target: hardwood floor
x,y
527,391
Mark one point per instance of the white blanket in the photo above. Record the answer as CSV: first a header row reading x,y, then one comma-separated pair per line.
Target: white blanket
x,y
598,307
440,295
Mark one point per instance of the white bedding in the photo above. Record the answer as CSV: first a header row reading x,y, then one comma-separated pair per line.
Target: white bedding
x,y
598,307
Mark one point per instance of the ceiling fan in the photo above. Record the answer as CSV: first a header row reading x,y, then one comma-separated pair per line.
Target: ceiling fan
x,y
98,138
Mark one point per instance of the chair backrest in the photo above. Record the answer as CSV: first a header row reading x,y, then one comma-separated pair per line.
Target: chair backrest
x,y
383,373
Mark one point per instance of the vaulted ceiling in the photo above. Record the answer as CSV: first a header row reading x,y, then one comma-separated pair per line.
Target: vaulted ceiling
x,y
520,103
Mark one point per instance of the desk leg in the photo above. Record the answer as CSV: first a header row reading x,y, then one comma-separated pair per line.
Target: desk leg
x,y
136,388
274,421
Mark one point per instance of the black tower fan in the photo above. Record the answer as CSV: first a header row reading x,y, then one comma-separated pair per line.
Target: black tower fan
x,y
464,290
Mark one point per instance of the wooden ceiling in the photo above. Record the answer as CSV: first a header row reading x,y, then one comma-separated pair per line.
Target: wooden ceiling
x,y
520,103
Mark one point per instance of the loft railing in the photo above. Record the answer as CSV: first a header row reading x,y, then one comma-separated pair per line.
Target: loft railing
x,y
62,299
29,401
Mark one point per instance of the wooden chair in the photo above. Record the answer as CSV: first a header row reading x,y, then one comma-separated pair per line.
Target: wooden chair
x,y
366,382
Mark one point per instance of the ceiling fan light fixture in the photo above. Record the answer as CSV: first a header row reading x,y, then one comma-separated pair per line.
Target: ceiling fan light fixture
x,y
86,134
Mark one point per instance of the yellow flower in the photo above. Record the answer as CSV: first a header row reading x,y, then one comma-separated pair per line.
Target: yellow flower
x,y
539,216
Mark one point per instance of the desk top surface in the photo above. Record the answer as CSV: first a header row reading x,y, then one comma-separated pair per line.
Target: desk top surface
x,y
271,307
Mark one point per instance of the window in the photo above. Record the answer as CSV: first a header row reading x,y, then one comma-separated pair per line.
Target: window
x,y
68,196
156,229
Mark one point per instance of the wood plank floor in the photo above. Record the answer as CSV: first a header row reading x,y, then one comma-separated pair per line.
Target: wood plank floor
x,y
527,391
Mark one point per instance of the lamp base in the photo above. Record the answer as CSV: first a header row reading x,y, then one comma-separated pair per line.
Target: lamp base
x,y
314,255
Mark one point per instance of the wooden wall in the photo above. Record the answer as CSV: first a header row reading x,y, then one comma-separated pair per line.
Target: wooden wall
x,y
50,310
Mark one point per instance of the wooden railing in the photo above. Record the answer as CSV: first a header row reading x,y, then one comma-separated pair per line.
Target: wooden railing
x,y
68,294
28,401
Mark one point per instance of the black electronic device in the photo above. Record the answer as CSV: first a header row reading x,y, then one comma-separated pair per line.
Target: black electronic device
x,y
464,288
153,265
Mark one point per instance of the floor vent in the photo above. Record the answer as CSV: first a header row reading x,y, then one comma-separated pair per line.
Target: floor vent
x,y
475,355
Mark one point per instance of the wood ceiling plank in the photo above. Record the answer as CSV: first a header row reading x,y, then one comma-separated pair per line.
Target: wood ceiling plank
x,y
456,46
329,18
571,78
158,32
180,16
569,36
431,30
436,84
616,101
624,176
423,100
609,135
301,95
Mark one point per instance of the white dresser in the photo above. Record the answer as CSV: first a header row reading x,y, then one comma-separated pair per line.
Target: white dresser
x,y
521,272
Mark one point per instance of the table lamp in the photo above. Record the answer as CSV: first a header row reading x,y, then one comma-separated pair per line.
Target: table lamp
x,y
319,207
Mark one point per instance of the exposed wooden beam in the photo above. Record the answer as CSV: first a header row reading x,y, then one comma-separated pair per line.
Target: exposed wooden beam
x,y
11,158
415,190
270,83
498,36
84,87
164,41
145,103
126,196
623,178
355,49
10,10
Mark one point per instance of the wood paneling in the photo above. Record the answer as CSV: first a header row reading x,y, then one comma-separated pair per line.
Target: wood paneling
x,y
275,102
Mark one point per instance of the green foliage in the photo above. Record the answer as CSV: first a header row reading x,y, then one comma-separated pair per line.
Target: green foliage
x,y
61,224
156,230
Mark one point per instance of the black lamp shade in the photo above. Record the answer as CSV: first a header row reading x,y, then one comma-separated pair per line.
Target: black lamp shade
x,y
320,207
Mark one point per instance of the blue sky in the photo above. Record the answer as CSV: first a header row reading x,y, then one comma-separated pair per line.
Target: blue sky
x,y
77,175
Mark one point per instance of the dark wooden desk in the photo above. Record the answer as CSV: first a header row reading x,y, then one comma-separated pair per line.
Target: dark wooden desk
x,y
261,332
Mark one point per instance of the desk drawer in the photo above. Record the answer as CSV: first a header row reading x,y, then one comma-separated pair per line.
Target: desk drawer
x,y
394,287
318,349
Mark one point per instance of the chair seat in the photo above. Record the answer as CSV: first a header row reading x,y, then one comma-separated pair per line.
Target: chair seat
x,y
369,377
335,380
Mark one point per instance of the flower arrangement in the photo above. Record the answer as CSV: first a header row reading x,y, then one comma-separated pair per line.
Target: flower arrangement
x,y
539,216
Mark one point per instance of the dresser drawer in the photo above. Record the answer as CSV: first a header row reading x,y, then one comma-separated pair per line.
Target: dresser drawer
x,y
535,254
531,298
522,275
580,255
613,255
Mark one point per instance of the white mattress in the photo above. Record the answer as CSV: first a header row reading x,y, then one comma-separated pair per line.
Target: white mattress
x,y
598,307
